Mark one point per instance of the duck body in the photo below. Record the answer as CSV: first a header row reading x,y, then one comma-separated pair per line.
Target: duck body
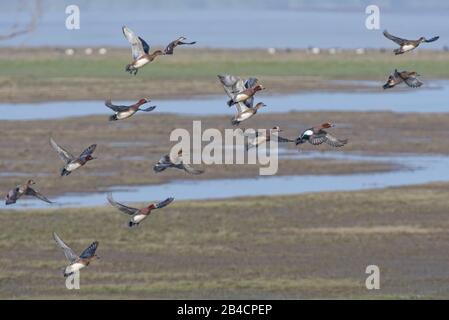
x,y
406,45
125,112
397,77
21,190
73,163
317,135
257,138
138,215
176,162
77,262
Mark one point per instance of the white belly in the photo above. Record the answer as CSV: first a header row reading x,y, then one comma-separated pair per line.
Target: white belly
x,y
244,116
125,114
408,47
138,218
73,166
141,62
241,97
74,267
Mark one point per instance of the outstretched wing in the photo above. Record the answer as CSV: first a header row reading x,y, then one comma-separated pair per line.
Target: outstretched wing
x,y
88,151
432,39
34,193
122,207
68,252
241,106
12,196
116,108
89,252
164,203
232,84
413,82
137,45
187,168
63,154
398,40
335,142
317,138
281,139
251,82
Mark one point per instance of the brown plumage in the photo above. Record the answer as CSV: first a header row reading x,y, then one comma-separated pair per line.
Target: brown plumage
x,y
317,135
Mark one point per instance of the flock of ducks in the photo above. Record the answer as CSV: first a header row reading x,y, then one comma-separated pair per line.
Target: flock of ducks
x,y
241,93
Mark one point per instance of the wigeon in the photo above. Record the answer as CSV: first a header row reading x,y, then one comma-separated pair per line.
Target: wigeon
x,y
124,112
239,90
176,162
407,45
71,162
138,215
76,262
140,51
410,79
256,138
24,189
317,135
178,42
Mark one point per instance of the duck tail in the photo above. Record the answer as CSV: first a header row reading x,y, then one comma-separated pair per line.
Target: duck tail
x,y
235,122
398,51
230,103
132,224
64,172
113,117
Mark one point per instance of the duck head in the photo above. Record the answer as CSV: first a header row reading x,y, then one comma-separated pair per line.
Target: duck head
x,y
276,129
30,182
327,125
259,87
89,158
143,101
422,39
260,105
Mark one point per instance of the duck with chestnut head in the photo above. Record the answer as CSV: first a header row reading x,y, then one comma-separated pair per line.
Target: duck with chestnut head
x,y
317,135
240,90
140,51
71,162
410,79
124,112
77,262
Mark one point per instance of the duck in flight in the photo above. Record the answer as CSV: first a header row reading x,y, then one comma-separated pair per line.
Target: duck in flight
x,y
71,162
124,112
410,79
76,262
176,162
138,215
240,90
140,51
257,138
317,135
178,42
407,45
24,190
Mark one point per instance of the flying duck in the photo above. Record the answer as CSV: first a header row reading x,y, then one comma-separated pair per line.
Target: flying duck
x,y
410,79
72,163
177,162
245,110
138,215
255,139
317,135
239,90
407,45
76,262
124,112
24,189
140,51
178,42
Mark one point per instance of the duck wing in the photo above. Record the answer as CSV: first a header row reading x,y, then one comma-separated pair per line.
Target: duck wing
x,y
34,193
163,163
164,203
178,42
88,151
138,46
241,107
63,154
191,170
334,142
68,252
12,196
413,82
232,84
89,252
281,139
250,82
122,207
114,107
432,39
393,38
